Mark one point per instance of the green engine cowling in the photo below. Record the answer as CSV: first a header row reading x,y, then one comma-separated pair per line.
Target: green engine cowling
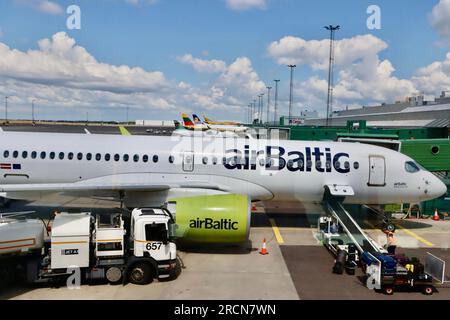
x,y
212,219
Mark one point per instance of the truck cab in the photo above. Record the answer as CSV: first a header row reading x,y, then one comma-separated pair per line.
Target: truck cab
x,y
150,239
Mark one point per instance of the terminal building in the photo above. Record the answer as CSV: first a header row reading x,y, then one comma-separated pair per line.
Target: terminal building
x,y
414,112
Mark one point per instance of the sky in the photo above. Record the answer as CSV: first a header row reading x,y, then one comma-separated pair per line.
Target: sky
x,y
158,58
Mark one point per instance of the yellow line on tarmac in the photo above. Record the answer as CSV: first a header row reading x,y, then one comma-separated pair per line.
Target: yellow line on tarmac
x,y
412,234
276,231
124,131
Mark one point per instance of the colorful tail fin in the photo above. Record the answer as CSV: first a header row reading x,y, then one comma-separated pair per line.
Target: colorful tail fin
x,y
207,120
187,121
197,120
177,124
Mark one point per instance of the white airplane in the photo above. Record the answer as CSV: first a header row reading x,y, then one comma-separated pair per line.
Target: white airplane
x,y
59,168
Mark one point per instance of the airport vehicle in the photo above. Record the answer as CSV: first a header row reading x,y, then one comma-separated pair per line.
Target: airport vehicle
x,y
81,170
220,127
100,247
395,271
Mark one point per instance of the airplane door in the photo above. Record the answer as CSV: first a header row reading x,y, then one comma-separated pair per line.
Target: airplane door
x,y
188,161
377,171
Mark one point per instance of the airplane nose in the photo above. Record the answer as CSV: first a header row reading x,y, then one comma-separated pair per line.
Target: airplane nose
x,y
438,188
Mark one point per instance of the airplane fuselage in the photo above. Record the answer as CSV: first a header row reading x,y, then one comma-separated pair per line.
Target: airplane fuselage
x,y
193,165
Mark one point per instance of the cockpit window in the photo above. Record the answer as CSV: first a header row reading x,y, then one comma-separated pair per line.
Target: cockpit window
x,y
411,167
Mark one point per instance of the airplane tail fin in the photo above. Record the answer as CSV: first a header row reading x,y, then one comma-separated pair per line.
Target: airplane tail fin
x,y
177,124
187,122
197,120
207,120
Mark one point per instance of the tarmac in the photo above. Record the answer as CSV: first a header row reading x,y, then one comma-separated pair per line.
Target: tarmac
x,y
297,267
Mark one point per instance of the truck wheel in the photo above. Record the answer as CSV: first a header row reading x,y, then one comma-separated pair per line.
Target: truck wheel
x,y
388,290
141,273
428,290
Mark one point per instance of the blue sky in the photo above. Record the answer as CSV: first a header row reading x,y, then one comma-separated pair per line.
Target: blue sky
x,y
234,36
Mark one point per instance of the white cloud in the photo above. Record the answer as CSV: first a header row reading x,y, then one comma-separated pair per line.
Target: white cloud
x,y
440,18
242,5
136,2
60,62
45,6
360,75
66,79
200,65
315,53
434,77
50,7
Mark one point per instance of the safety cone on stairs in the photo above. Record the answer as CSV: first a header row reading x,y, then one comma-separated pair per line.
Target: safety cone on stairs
x,y
264,248
436,215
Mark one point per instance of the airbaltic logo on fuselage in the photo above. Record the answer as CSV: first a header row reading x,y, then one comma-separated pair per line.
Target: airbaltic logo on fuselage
x,y
276,159
208,224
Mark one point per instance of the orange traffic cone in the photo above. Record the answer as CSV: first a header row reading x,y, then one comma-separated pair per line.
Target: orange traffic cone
x,y
264,248
436,215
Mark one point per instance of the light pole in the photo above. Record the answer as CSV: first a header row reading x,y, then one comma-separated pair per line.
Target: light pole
x,y
268,102
332,30
262,108
249,112
32,111
253,110
259,107
276,101
6,109
291,97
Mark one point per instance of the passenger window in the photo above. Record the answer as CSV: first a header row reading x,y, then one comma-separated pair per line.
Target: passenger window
x,y
61,155
205,160
337,165
136,158
214,160
171,159
116,157
6,154
24,154
411,167
52,155
126,157
70,156
34,155
15,154
356,165
43,155
98,157
80,156
89,156
347,165
155,158
107,157
145,158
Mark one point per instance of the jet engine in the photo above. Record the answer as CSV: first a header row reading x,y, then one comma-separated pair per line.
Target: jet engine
x,y
212,218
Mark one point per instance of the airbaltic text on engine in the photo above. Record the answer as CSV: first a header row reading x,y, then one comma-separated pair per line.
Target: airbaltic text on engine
x,y
292,161
208,223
